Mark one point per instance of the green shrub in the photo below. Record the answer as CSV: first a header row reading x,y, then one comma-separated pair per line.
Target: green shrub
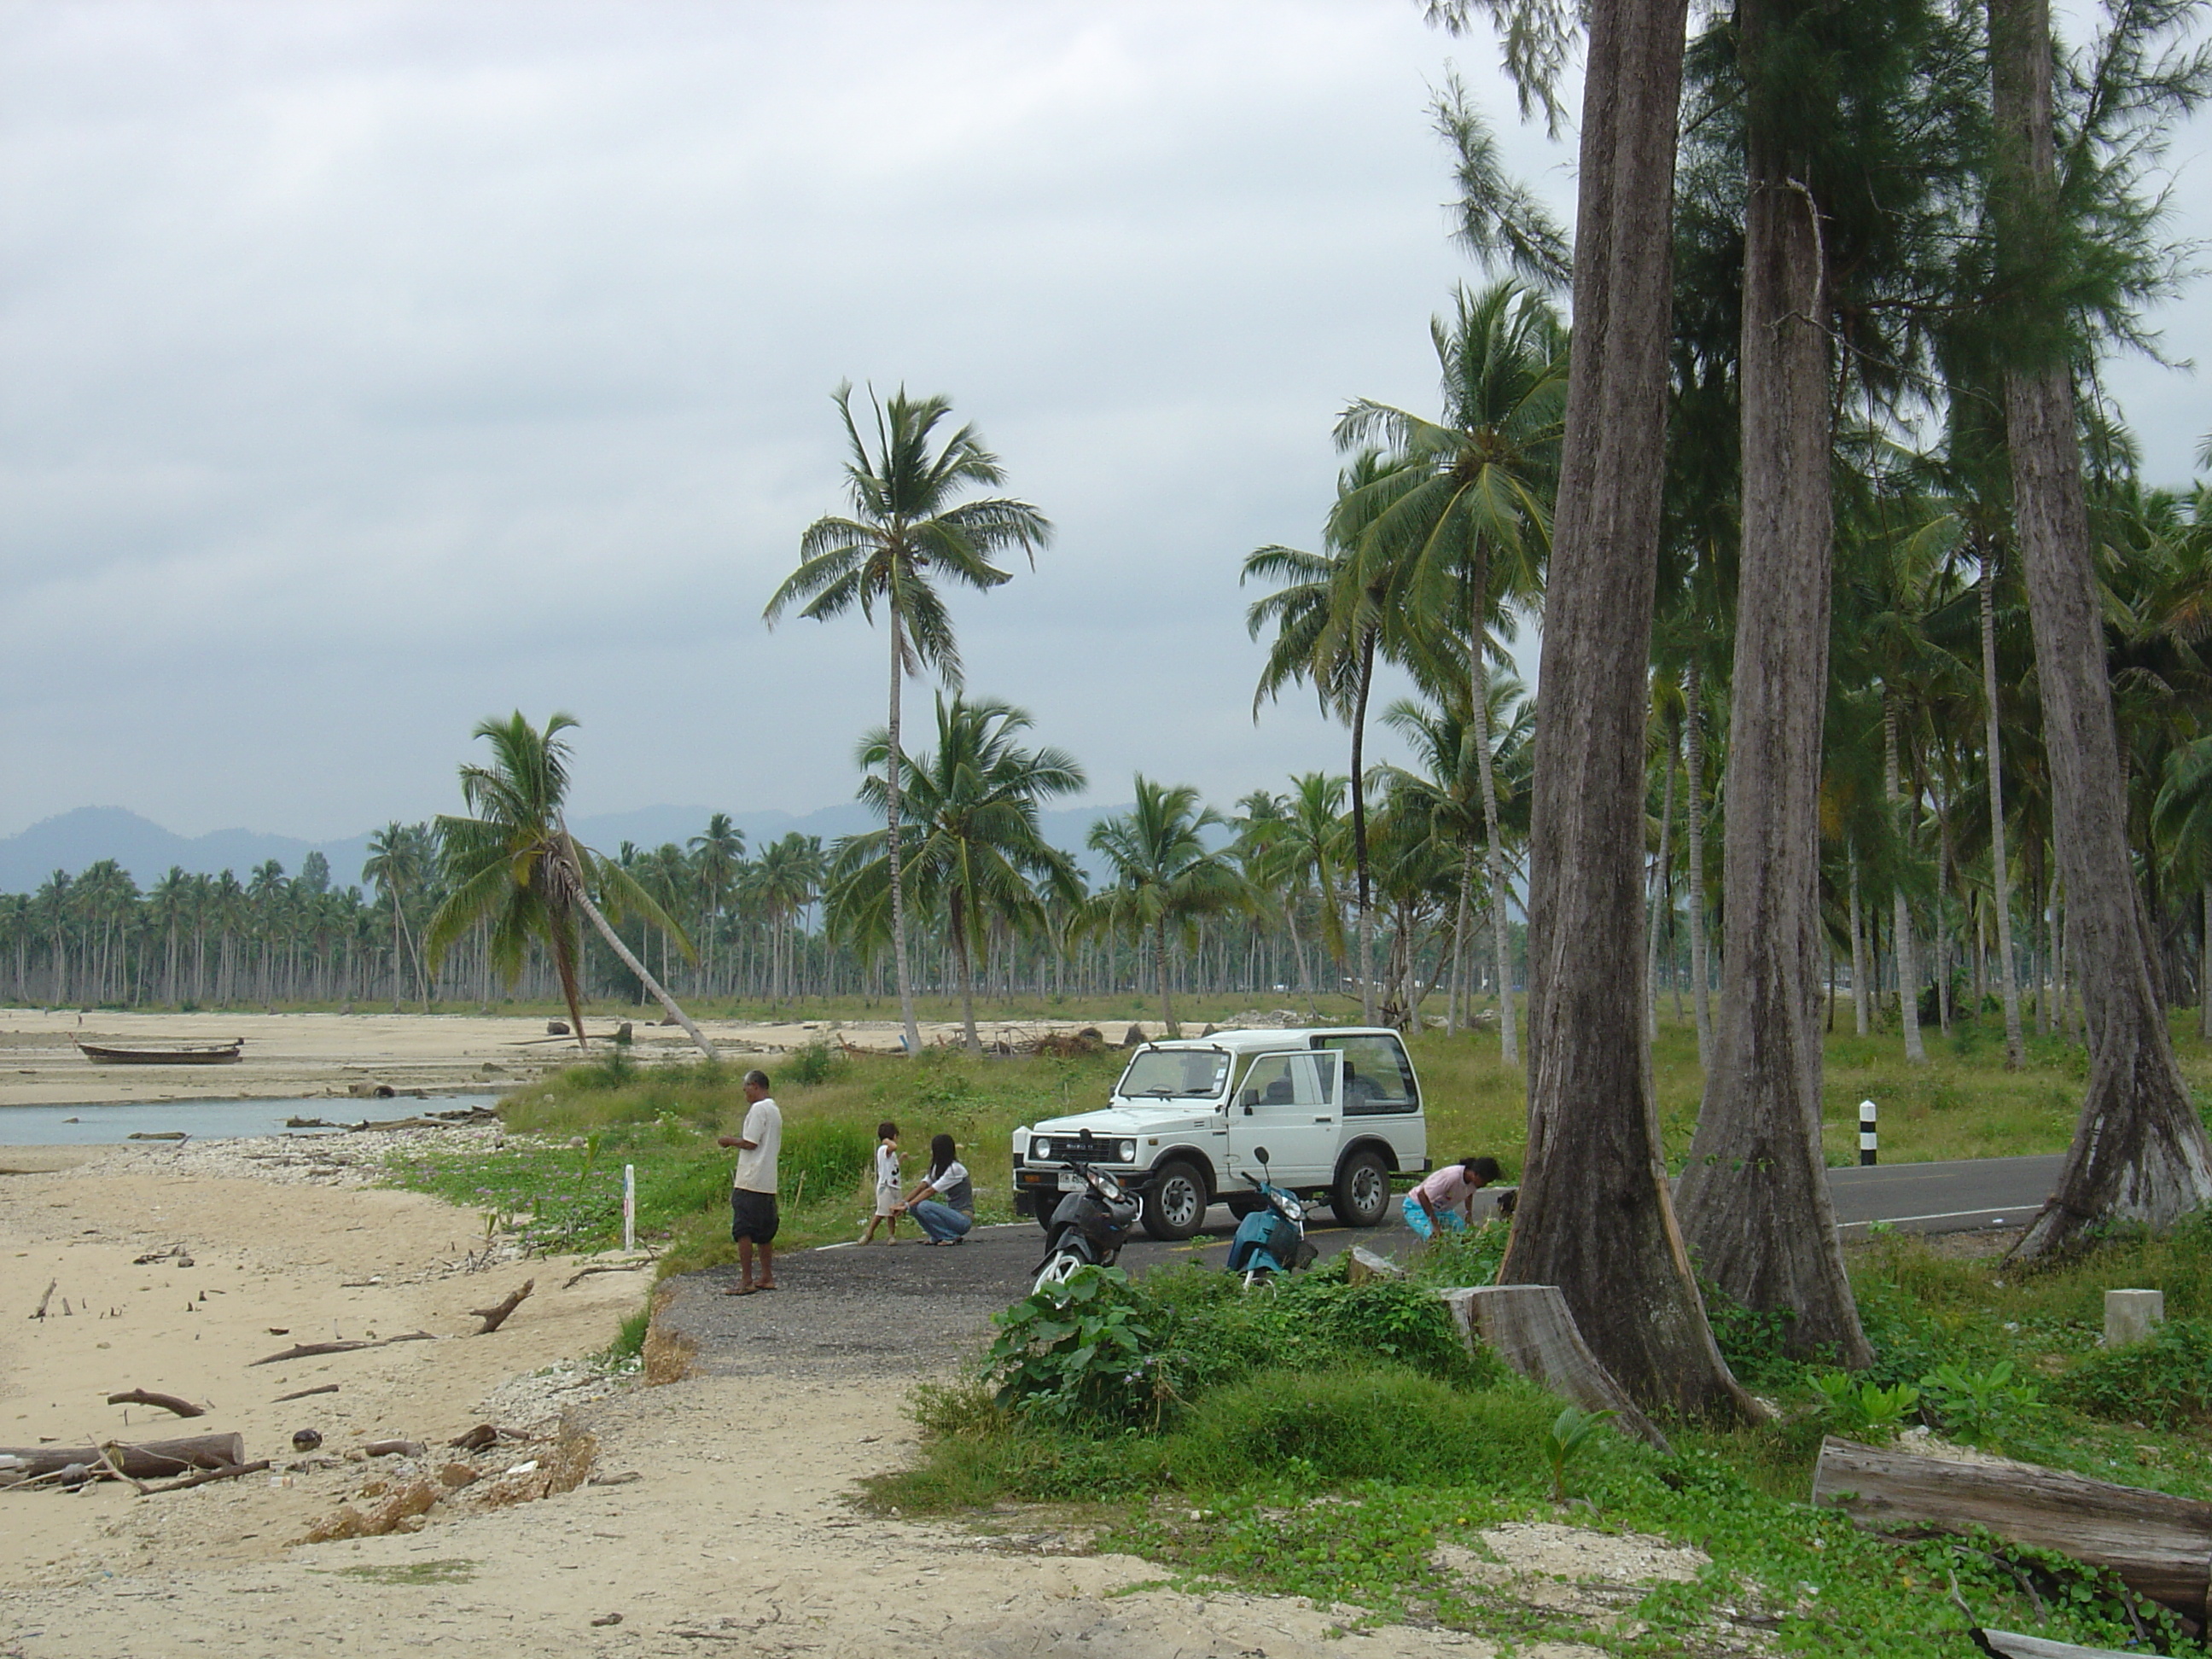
x,y
816,1063
1074,1352
1984,1408
2165,1381
1864,1410
1362,1423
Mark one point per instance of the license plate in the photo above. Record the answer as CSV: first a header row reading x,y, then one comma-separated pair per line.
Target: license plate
x,y
1072,1182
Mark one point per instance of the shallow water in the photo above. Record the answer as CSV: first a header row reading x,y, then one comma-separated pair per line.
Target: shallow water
x,y
203,1120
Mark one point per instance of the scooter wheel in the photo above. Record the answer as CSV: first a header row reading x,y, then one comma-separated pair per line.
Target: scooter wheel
x,y
1059,1270
1259,1279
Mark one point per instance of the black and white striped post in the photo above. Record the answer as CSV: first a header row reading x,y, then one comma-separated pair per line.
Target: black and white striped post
x,y
1869,1144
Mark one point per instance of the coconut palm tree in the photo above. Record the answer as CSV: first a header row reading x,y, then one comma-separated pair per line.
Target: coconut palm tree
x,y
978,853
393,867
1163,878
1332,618
1463,523
1455,794
908,530
716,857
514,866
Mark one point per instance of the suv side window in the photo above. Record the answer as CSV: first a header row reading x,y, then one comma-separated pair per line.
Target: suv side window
x,y
1378,1076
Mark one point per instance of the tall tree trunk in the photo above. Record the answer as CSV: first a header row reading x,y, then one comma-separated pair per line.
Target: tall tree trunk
x,y
2000,872
1694,787
1595,1216
2139,1151
1659,891
1360,827
1753,1197
892,851
1861,990
2204,963
1160,968
1900,920
1460,912
628,957
1493,855
964,949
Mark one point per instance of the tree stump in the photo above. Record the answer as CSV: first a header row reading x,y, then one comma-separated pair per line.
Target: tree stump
x,y
2160,1546
2132,1315
1529,1327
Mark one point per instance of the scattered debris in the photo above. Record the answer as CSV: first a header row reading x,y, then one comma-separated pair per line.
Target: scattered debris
x,y
305,1440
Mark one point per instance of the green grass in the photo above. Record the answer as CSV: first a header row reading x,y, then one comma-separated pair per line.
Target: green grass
x,y
558,1179
1329,1469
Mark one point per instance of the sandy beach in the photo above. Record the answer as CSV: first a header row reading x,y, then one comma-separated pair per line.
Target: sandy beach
x,y
322,1055
719,1516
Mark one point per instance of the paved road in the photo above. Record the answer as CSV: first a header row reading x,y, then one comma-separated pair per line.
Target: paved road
x,y
1944,1198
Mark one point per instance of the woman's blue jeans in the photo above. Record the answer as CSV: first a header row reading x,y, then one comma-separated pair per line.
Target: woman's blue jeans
x,y
941,1221
1418,1218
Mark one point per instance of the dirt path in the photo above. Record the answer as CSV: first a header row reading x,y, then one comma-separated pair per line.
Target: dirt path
x,y
737,1535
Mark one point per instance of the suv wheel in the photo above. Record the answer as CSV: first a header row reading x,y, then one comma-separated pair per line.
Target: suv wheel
x,y
1175,1203
1361,1197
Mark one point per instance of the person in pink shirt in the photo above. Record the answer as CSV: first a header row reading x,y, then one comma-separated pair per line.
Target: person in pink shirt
x,y
1446,1197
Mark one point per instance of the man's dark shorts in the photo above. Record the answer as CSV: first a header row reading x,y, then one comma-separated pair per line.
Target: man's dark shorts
x,y
752,1215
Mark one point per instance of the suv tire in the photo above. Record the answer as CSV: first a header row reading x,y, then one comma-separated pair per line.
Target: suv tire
x,y
1176,1201
1361,1197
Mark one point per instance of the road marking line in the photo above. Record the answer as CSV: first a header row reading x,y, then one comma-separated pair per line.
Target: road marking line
x,y
1944,1215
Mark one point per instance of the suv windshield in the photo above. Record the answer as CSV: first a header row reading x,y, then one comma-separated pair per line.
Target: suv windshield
x,y
1175,1074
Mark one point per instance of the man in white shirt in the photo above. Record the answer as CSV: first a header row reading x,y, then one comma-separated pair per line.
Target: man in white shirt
x,y
752,1187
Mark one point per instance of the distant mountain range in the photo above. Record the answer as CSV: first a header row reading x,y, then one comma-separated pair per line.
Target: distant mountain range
x,y
74,840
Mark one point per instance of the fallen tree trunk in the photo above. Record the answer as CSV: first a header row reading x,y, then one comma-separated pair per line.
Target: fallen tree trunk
x,y
2159,1546
167,1402
141,1461
1530,1328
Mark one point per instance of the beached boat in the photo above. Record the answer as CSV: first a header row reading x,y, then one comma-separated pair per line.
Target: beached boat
x,y
189,1053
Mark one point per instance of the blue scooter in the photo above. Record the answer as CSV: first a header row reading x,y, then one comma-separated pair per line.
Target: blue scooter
x,y
1272,1239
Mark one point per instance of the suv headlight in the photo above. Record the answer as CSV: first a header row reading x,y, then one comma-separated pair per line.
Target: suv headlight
x,y
1127,1150
1040,1146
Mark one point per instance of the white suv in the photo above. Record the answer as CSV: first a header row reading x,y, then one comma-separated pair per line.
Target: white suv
x,y
1337,1109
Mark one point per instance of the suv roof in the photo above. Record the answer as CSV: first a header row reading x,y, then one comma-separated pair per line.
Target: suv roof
x,y
1245,1040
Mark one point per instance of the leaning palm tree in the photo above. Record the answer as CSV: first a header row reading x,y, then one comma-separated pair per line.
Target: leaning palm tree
x,y
1163,878
514,865
908,529
979,853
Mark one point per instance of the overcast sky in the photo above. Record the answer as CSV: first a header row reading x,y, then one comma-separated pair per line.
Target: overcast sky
x,y
368,369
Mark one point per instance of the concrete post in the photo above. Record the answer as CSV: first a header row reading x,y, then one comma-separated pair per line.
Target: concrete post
x,y
2131,1316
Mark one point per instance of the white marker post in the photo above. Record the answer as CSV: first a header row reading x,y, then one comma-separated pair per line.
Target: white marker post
x,y
1869,1145
629,1209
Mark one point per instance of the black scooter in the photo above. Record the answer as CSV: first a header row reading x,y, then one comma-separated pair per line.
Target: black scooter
x,y
1089,1227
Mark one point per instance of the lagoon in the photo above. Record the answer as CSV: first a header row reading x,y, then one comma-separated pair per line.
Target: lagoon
x,y
203,1120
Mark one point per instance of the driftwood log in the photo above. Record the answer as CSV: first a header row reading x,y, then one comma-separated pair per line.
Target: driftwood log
x,y
228,1471
1531,1330
2160,1546
167,1402
303,1394
494,1317
52,1284
310,1350
143,1461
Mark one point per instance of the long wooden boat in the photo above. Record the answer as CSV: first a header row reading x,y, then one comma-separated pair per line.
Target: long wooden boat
x,y
194,1054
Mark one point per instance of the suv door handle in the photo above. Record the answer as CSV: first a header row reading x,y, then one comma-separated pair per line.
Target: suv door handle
x,y
1324,1119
